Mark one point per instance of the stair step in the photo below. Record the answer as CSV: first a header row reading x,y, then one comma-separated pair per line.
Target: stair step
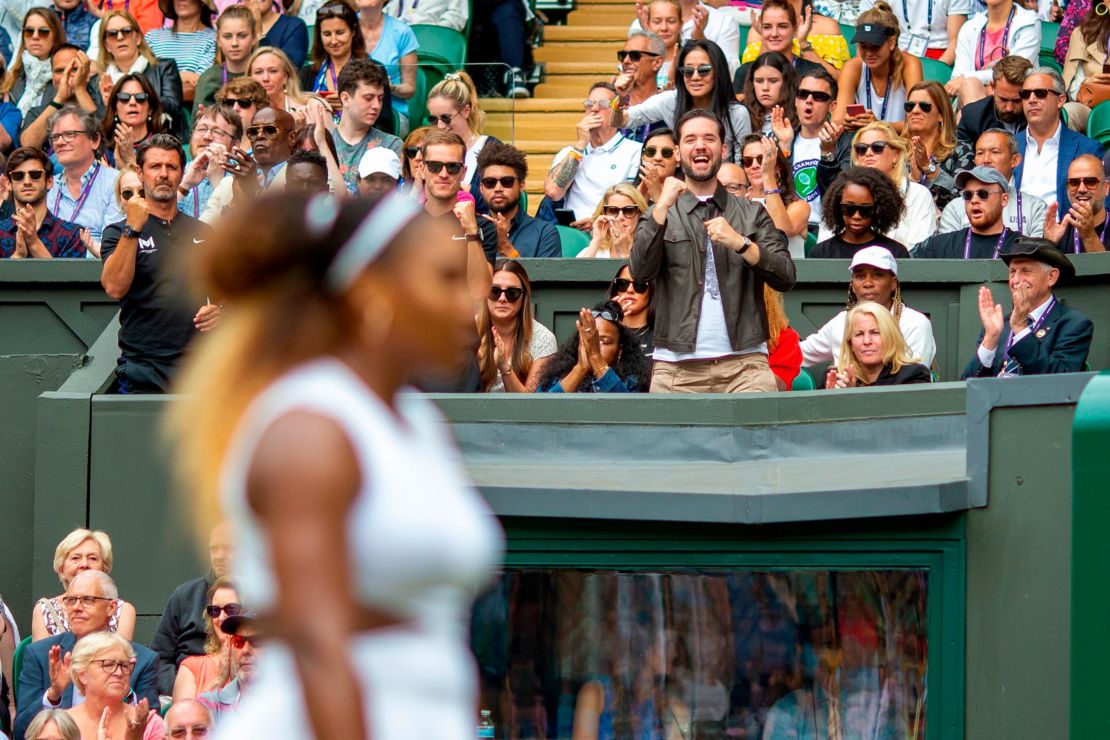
x,y
586,51
581,34
568,85
596,16
605,69
533,105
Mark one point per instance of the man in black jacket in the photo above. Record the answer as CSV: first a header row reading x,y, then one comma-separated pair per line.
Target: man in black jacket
x,y
1000,110
708,255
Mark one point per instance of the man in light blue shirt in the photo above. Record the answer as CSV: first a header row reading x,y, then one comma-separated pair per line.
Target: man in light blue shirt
x,y
214,134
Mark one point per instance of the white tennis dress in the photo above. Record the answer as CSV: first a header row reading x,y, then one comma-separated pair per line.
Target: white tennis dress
x,y
422,542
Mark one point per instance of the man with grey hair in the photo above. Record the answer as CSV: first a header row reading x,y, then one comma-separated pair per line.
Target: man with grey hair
x,y
1047,146
640,61
44,682
187,720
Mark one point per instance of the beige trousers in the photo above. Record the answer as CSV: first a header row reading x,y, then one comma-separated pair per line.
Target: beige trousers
x,y
747,373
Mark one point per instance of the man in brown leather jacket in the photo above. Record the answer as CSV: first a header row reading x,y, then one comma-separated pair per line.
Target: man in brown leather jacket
x,y
708,255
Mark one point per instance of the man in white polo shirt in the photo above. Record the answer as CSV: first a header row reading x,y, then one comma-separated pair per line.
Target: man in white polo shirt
x,y
600,158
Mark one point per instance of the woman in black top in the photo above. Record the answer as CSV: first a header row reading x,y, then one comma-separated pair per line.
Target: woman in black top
x,y
874,352
634,297
601,357
861,205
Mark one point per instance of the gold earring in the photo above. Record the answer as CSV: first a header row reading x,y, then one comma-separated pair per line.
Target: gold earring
x,y
1101,9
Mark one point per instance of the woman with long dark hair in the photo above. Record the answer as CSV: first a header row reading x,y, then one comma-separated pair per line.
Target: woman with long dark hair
x,y
601,357
703,81
634,297
29,73
514,347
336,39
771,81
132,114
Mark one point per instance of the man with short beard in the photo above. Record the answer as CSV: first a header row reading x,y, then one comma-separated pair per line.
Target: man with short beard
x,y
708,255
1002,109
32,231
985,197
139,254
1086,225
503,169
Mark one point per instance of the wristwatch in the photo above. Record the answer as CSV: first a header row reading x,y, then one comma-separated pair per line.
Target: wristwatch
x,y
932,168
747,243
828,157
129,232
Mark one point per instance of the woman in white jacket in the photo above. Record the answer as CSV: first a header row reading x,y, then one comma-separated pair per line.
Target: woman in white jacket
x,y
1006,29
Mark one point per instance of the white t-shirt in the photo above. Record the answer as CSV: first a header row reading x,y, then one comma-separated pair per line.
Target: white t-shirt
x,y
615,161
890,108
544,344
806,154
470,161
823,345
720,28
924,22
661,107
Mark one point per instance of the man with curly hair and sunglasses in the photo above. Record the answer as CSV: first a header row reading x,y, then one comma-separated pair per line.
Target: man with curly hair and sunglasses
x,y
32,231
504,168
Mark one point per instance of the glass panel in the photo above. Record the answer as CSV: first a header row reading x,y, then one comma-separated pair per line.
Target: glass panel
x,y
704,654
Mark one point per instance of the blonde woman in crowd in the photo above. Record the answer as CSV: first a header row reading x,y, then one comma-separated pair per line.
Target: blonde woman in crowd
x,y
273,69
453,106
614,223
874,352
101,668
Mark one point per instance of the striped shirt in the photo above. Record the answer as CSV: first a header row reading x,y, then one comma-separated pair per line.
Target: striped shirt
x,y
193,52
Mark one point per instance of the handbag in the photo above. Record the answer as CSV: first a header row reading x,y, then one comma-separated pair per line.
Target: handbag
x,y
1092,93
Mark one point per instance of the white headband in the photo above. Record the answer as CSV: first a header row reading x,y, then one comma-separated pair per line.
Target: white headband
x,y
370,238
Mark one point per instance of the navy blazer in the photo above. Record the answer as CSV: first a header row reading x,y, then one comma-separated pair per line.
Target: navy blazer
x,y
1062,349
1071,146
34,679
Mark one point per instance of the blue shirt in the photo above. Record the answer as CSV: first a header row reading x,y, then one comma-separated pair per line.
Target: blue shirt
x,y
193,203
100,207
609,382
289,34
78,24
12,120
397,40
534,237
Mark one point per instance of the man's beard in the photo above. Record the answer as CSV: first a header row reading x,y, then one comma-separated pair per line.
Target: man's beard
x,y
714,167
165,197
1016,117
509,205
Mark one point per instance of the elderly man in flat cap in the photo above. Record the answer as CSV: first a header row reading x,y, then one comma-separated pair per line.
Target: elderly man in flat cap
x,y
1041,335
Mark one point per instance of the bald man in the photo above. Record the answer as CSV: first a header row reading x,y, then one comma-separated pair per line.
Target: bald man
x,y
187,720
1084,227
733,179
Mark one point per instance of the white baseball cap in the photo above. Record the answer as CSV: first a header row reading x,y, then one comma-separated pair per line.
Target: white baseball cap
x,y
875,257
380,159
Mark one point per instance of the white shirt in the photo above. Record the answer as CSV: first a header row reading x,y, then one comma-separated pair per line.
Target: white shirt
x,y
445,13
823,346
954,216
805,155
918,223
721,28
1038,176
1024,40
919,26
986,356
615,161
890,108
470,161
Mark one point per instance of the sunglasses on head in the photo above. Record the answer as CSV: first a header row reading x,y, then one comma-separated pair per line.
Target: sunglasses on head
x,y
819,96
237,102
749,161
633,55
626,211
265,131
443,118
241,641
876,146
125,97
1040,92
453,168
120,33
702,70
334,11
489,183
606,314
412,151
651,151
980,193
19,175
621,285
851,209
128,194
1090,182
231,610
30,33
924,105
512,295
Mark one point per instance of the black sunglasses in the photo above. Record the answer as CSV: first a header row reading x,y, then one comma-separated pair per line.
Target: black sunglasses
x,y
453,168
749,161
634,56
126,97
237,102
489,183
702,69
817,95
119,33
334,11
128,194
924,105
19,176
412,151
30,33
1040,92
851,209
442,118
1090,182
621,285
231,610
626,211
980,193
265,131
512,295
876,146
651,151
606,314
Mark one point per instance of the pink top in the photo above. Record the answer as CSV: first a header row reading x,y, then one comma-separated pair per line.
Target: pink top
x,y
994,46
155,729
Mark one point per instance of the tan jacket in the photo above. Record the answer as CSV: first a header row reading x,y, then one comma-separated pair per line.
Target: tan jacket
x,y
1082,53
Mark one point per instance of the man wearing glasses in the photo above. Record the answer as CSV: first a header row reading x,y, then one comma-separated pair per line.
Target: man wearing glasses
x,y
44,682
600,158
1047,146
188,719
503,169
72,80
273,136
805,146
245,642
214,132
32,232
1084,227
985,196
640,61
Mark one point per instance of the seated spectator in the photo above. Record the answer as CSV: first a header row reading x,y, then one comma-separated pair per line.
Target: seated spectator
x,y
879,76
498,36
200,673
214,133
190,40
1047,146
1006,29
272,136
778,31
246,96
705,22
985,196
806,146
1086,63
503,170
732,179
236,35
442,153
665,21
1075,13
245,643
658,161
77,20
155,324
640,61
84,189
53,724
71,81
147,12
860,208
816,26
702,82
600,158
188,719
29,71
392,44
446,13
183,629
930,30
275,71
1023,214
101,667
306,172
80,550
1041,335
1002,109
770,84
32,231
1084,226
601,357
784,353
45,682
634,297
614,223
379,172
874,352
874,279
362,87
287,33
453,105
412,171
772,185
515,348
125,54
133,114
337,39
930,131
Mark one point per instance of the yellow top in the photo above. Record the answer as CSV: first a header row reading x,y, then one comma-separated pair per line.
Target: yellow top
x,y
833,49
